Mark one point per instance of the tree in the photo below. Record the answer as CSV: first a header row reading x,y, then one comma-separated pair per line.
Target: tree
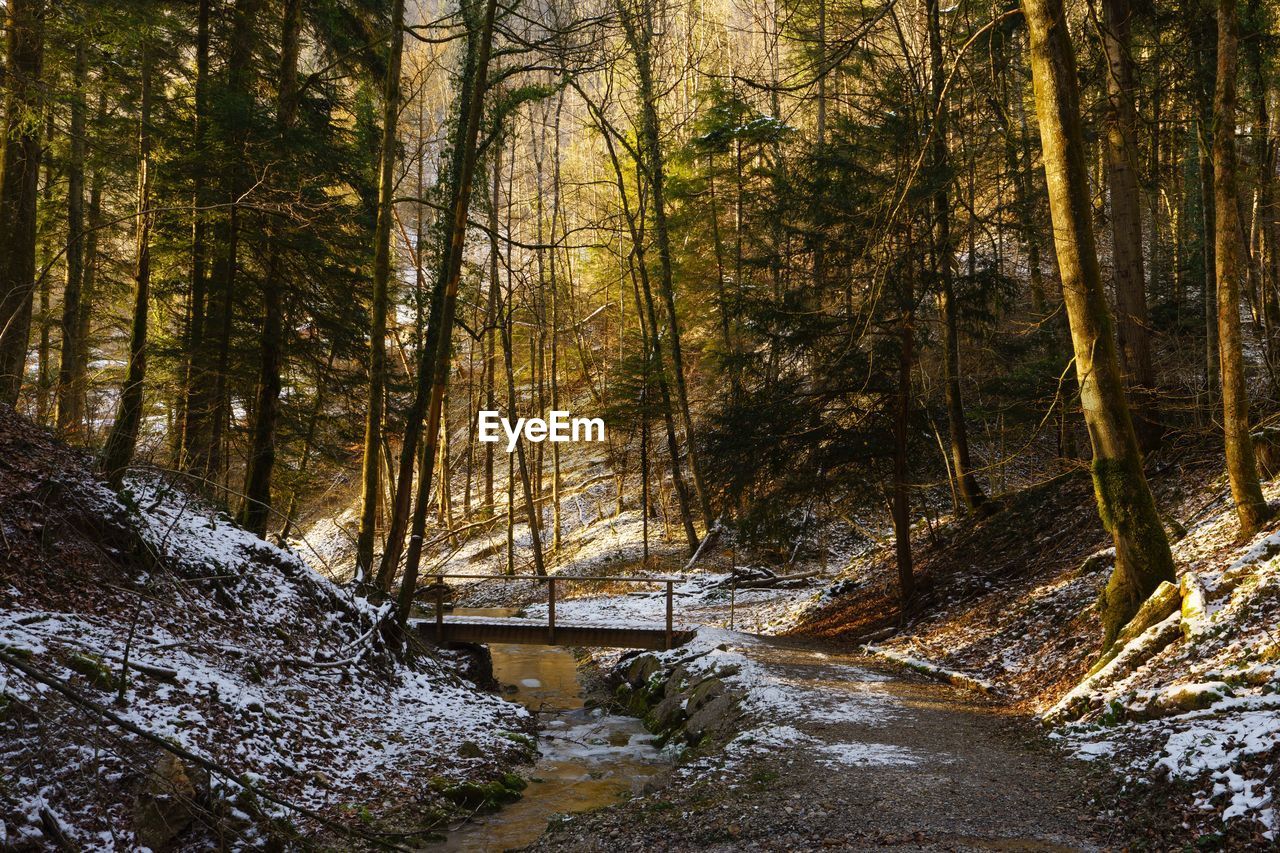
x,y
119,450
19,176
70,390
944,256
441,360
372,463
1126,220
1125,502
262,453
1242,468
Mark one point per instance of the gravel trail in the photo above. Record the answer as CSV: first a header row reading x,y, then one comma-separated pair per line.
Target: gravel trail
x,y
847,756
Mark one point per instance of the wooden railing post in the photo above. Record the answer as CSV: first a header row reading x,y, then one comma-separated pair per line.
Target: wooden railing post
x,y
670,638
551,611
439,610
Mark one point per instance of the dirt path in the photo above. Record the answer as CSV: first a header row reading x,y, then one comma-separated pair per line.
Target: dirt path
x,y
847,756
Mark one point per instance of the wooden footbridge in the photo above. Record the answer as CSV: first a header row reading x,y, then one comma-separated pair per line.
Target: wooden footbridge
x,y
445,627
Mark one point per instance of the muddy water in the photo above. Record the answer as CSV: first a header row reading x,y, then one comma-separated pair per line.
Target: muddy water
x,y
588,759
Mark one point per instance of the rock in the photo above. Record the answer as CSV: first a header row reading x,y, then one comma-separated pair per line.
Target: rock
x,y
1181,699
167,802
714,718
703,692
640,670
676,681
1194,621
93,668
667,714
470,749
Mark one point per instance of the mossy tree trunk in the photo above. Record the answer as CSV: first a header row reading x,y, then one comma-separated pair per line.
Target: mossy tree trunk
x,y
1125,502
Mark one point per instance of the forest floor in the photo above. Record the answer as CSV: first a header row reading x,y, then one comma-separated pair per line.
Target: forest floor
x,y
835,752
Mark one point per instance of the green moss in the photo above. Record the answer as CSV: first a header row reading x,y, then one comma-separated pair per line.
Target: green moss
x,y
515,737
93,668
1143,560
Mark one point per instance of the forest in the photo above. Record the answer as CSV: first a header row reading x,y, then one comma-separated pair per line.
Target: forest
x,y
939,339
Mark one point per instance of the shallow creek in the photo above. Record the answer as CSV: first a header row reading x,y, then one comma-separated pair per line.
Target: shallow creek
x,y
589,759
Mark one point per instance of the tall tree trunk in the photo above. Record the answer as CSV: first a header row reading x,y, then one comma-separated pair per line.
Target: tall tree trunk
x,y
1125,503
93,221
442,359
638,269
262,451
970,491
207,457
195,406
370,488
491,326
901,496
1242,468
1126,221
19,177
70,392
119,450
532,510
639,33
1204,48
44,320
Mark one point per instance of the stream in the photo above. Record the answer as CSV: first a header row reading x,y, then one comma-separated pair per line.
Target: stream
x,y
588,759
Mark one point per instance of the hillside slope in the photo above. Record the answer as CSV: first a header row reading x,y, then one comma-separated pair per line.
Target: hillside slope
x,y
160,611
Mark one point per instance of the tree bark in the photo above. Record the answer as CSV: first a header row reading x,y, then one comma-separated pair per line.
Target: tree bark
x,y
69,416
1242,468
441,359
1126,222
970,492
19,177
639,33
370,487
195,403
119,450
262,452
1125,502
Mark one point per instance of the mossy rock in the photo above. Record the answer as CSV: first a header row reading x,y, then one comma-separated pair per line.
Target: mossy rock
x,y
93,668
470,749
703,692
667,714
641,669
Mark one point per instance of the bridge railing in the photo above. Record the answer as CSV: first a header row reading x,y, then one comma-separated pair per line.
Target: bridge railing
x,y
551,581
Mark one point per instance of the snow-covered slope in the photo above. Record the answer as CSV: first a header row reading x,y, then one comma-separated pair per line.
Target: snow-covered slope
x,y
160,610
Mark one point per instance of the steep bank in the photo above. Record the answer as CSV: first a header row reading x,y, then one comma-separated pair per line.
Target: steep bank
x,y
286,716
